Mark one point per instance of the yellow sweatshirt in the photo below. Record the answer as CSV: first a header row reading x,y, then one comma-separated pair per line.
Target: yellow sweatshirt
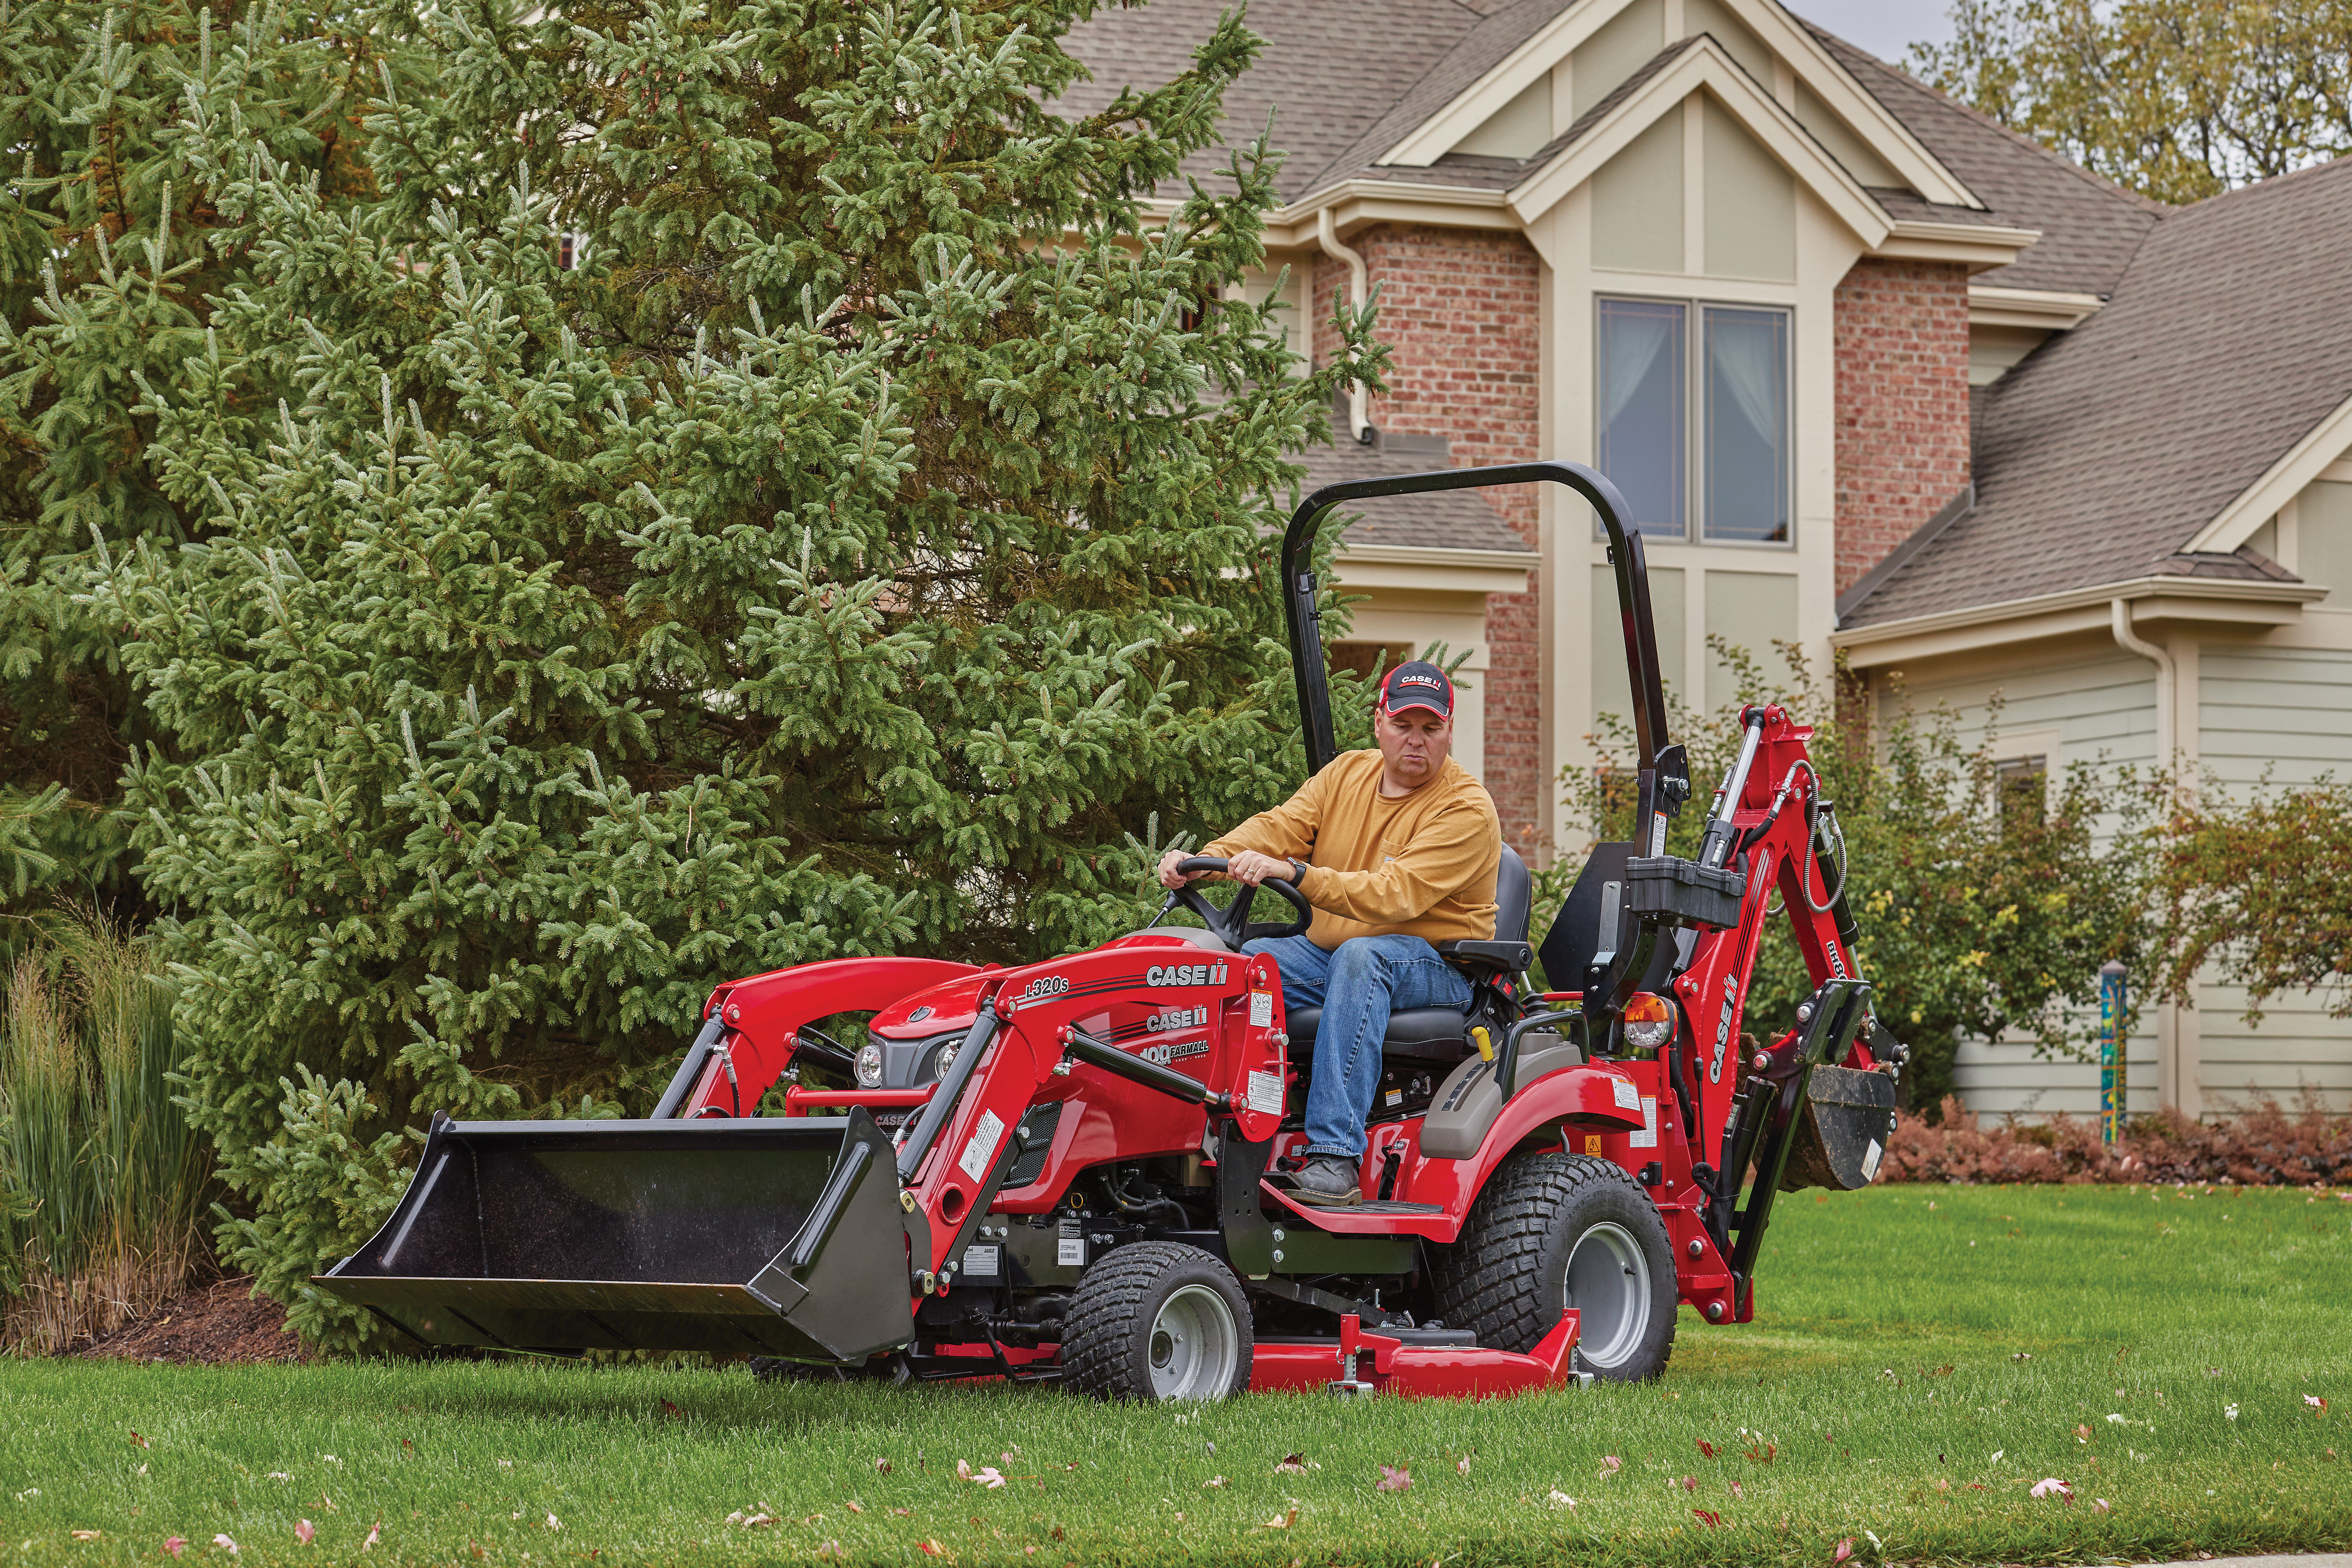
x,y
1418,864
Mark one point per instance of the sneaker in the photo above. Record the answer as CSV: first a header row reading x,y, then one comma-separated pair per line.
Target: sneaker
x,y
1328,1180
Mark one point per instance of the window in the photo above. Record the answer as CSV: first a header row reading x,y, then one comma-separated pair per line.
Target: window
x,y
2023,794
1658,381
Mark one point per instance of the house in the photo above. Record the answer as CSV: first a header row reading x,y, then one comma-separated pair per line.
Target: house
x,y
1876,376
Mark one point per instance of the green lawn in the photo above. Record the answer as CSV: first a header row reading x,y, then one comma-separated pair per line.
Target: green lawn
x,y
1923,1356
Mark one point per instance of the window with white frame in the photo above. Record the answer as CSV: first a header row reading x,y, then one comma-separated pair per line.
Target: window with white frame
x,y
1668,369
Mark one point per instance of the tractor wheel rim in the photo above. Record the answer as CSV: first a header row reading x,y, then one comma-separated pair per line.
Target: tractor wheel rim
x,y
1608,1284
1194,1346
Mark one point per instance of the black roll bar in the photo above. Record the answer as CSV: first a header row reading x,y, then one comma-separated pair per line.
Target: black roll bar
x,y
1664,771
1299,590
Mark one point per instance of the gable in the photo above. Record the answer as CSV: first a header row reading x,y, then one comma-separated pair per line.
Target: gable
x,y
1584,53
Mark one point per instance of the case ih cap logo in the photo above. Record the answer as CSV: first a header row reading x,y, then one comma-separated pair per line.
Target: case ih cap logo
x,y
919,1014
1417,684
1045,985
1185,974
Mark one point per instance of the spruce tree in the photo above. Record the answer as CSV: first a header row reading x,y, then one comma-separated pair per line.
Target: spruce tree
x,y
864,545
108,253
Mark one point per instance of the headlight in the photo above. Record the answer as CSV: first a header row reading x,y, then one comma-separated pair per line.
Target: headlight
x,y
869,1066
1649,1021
945,1060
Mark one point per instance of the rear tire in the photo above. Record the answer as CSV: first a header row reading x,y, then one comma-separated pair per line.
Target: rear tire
x,y
1555,1231
1158,1320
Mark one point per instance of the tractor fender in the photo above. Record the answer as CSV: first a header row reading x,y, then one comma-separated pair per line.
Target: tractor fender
x,y
1592,1095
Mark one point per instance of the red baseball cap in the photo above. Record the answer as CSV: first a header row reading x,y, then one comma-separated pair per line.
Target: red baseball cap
x,y
1417,683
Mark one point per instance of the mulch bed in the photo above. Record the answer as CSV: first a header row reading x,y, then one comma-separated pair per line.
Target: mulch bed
x,y
219,1325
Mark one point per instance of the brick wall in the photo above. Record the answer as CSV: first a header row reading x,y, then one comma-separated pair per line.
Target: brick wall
x,y
1461,310
1901,333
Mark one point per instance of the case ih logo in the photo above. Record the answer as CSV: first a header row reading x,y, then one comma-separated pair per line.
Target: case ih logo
x,y
1176,1019
1185,974
1429,682
1045,985
1173,1052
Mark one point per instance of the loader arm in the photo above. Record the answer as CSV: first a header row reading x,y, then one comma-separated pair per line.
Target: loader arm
x,y
751,1026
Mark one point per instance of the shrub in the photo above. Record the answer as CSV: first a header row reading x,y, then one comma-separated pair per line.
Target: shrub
x,y
2263,1145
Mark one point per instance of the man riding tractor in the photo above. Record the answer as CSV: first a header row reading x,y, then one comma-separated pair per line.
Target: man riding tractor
x,y
1397,848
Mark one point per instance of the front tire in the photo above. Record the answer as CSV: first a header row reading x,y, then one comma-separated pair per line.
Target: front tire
x,y
1158,1320
1555,1231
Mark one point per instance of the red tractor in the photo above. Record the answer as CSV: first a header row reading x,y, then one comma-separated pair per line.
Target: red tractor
x,y
1077,1169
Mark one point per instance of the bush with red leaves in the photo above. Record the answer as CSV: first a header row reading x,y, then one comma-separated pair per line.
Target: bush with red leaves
x,y
2263,1146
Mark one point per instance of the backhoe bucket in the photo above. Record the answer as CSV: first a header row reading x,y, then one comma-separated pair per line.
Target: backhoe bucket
x,y
779,1236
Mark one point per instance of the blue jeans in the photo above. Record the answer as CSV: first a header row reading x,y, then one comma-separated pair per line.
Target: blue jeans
x,y
1357,986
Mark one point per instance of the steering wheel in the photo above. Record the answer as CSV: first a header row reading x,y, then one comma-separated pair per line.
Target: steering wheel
x,y
1231,924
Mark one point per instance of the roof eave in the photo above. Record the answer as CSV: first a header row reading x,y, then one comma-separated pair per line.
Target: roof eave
x,y
2155,597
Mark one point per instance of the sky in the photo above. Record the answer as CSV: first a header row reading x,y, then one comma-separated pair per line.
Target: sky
x,y
1885,27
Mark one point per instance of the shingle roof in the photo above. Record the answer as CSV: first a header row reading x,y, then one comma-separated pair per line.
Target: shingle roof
x,y
2099,457
2089,227
1451,519
1329,71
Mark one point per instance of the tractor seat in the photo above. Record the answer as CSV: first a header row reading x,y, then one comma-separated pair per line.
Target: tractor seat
x,y
1439,1035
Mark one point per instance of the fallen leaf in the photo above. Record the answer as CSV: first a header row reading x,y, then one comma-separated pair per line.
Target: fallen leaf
x,y
1291,1465
1690,1483
1057,1533
2102,1504
1282,1521
1707,1517
1393,1480
1462,1466
1560,1500
990,1478
2081,1434
931,1548
2318,1405
963,1469
1763,1454
138,1439
903,1512
303,1531
476,1548
1942,1485
1736,1492
375,1533
176,1545
87,1534
758,1520
225,1544
829,1548
1844,1550
278,1475
1706,1448
735,1518
2230,1411
857,1507
2051,1486
1611,1464
1212,1482
672,1411
882,1466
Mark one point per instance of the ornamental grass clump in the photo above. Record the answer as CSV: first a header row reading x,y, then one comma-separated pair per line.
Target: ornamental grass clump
x,y
103,1183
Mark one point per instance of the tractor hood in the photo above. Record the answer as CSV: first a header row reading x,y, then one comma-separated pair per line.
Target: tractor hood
x,y
943,1009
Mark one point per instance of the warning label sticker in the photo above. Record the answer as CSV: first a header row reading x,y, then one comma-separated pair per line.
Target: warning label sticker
x,y
1870,1161
1628,1097
1261,1009
1265,1092
1648,1137
982,1147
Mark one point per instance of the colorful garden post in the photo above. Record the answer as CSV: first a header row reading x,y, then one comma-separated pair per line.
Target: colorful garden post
x,y
2112,1066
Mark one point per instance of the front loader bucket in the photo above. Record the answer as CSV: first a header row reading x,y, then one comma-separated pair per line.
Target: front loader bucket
x,y
779,1236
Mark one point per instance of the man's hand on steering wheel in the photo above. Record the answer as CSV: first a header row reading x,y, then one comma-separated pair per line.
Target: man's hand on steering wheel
x,y
1253,867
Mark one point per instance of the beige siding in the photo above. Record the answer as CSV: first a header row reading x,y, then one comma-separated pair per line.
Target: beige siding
x,y
2278,713
1637,203
2102,711
1751,204
1625,44
1518,128
1668,610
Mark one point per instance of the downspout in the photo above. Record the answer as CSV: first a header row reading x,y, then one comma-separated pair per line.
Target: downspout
x,y
2132,642
1327,234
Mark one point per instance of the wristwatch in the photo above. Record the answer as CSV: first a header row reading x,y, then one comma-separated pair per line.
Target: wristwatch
x,y
1298,873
